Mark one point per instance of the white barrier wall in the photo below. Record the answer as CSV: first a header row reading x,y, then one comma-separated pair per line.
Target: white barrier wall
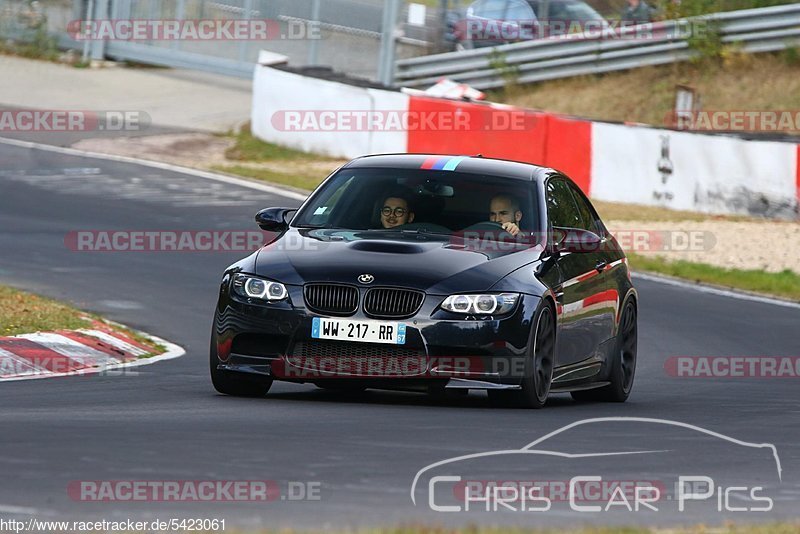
x,y
695,172
618,163
281,99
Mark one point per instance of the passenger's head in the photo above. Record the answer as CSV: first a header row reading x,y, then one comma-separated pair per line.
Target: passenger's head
x,y
396,209
504,208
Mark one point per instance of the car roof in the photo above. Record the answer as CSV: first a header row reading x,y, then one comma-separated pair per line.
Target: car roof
x,y
463,164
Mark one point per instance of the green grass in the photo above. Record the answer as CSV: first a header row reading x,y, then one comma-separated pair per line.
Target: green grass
x,y
785,284
23,313
251,149
300,181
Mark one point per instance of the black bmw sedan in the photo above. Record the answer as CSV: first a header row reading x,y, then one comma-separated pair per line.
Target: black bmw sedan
x,y
432,273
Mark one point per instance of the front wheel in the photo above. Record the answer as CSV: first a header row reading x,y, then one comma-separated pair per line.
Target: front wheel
x,y
623,364
236,384
538,366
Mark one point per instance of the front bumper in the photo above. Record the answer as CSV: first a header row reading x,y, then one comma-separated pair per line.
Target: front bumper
x,y
274,340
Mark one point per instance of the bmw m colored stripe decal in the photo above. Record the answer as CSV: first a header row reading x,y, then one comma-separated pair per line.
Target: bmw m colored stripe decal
x,y
442,163
453,163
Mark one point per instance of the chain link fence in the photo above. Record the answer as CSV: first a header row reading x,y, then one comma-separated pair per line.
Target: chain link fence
x,y
348,31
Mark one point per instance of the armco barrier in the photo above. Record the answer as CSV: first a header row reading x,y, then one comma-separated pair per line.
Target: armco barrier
x,y
614,162
756,30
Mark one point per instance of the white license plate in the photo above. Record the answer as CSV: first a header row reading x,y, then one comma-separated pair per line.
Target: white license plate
x,y
364,331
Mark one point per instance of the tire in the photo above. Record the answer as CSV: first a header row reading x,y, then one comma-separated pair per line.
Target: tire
x,y
236,384
623,366
538,366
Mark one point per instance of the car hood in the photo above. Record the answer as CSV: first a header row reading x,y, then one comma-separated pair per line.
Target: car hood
x,y
434,263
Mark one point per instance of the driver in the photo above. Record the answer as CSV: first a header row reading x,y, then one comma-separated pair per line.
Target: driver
x,y
396,209
504,210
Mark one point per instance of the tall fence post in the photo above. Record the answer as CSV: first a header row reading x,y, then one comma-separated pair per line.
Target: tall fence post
x,y
99,45
244,45
180,14
313,46
391,10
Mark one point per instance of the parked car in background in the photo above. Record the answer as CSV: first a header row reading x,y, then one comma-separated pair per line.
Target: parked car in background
x,y
496,22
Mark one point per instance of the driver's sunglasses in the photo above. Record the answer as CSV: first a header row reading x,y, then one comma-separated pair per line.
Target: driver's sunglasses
x,y
386,211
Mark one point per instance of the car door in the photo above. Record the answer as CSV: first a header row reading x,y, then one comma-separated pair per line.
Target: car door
x,y
603,303
581,282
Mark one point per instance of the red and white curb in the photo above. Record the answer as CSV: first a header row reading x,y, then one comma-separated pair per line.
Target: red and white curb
x,y
98,349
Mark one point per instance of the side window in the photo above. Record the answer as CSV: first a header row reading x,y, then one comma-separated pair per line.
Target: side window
x,y
519,10
561,209
587,216
488,9
326,206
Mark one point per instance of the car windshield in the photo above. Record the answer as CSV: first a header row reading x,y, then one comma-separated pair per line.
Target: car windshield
x,y
442,202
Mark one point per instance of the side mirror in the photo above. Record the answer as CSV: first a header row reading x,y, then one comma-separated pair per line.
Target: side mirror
x,y
274,219
575,240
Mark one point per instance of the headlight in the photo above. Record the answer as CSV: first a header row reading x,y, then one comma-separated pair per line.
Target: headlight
x,y
481,304
258,288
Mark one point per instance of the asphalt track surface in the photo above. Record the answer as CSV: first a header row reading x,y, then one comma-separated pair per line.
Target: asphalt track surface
x,y
165,422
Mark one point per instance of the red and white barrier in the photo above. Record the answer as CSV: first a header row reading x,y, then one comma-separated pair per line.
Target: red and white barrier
x,y
613,162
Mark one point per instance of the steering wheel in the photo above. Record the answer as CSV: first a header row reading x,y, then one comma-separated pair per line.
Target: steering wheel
x,y
490,226
486,226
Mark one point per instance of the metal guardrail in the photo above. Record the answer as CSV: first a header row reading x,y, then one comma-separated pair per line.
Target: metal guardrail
x,y
758,30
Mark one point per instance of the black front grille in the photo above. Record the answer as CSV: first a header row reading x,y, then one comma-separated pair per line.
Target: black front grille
x,y
392,303
333,299
346,358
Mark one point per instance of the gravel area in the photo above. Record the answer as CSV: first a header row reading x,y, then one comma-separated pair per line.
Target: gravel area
x,y
769,245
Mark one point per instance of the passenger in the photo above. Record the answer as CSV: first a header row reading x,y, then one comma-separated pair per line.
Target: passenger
x,y
396,209
637,12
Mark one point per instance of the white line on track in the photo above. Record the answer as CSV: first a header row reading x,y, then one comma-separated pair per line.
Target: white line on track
x,y
715,290
21,510
156,165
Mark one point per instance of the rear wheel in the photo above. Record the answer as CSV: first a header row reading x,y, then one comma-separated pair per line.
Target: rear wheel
x,y
538,366
236,384
623,365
